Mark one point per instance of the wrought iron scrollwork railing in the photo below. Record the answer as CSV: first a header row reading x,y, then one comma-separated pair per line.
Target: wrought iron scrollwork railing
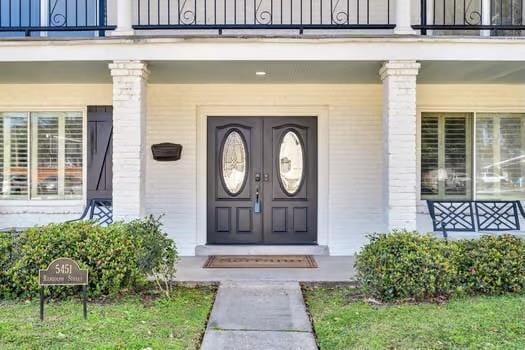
x,y
263,14
29,16
492,17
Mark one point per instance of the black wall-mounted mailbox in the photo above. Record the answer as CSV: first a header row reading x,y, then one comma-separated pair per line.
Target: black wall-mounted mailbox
x,y
166,152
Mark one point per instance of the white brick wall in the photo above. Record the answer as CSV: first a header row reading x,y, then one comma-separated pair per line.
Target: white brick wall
x,y
129,138
355,143
399,136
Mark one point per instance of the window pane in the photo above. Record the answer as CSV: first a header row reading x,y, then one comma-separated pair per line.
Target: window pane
x,y
13,155
455,148
445,155
500,156
73,156
45,155
429,156
57,155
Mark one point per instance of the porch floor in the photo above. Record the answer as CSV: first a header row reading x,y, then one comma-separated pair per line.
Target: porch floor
x,y
331,269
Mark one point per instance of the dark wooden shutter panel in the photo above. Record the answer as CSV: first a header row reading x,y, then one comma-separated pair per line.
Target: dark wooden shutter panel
x,y
100,152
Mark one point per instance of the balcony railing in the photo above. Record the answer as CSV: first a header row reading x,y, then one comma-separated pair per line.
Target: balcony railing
x,y
128,17
263,14
485,17
49,17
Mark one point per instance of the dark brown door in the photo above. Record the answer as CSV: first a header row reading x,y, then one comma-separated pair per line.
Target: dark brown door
x,y
262,180
100,152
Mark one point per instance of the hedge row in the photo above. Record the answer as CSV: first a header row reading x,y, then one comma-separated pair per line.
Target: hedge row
x,y
410,266
120,257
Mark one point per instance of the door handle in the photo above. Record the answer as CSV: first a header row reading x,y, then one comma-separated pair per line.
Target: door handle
x,y
257,204
266,177
257,177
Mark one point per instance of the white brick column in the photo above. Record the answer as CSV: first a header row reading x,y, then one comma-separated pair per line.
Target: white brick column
x,y
399,134
129,138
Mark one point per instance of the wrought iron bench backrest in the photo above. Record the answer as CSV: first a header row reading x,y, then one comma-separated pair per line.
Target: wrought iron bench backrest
x,y
99,210
470,216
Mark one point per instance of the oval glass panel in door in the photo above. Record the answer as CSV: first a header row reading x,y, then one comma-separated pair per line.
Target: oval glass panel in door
x,y
291,162
234,162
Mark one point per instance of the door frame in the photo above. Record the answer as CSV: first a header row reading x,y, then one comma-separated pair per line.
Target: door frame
x,y
321,112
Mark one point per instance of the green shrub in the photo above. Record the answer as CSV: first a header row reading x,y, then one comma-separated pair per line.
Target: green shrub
x,y
119,257
405,265
491,264
6,259
158,254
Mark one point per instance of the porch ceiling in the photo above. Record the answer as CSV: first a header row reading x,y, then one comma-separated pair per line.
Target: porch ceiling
x,y
278,72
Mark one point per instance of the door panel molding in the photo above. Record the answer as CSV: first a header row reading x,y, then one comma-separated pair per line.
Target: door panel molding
x,y
319,111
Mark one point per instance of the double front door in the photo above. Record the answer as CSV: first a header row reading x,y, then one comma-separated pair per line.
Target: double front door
x,y
262,180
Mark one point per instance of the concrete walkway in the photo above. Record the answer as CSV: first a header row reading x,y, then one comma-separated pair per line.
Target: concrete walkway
x,y
255,315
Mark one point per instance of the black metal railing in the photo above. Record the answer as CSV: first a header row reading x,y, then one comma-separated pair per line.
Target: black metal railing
x,y
263,14
494,17
74,16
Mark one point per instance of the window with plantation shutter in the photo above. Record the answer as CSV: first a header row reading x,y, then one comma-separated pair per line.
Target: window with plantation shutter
x,y
445,155
41,155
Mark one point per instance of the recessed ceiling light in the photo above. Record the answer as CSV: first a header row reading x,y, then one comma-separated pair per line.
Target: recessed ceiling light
x,y
260,73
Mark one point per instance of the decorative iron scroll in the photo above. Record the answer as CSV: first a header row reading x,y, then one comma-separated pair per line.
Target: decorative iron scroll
x,y
340,15
187,14
263,15
497,216
472,17
57,14
451,216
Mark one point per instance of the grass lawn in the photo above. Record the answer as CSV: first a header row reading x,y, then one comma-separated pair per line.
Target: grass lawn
x,y
130,323
343,320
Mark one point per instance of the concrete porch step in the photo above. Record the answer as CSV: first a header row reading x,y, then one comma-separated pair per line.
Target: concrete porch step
x,y
207,250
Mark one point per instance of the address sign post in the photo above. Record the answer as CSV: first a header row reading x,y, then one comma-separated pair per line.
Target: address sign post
x,y
63,272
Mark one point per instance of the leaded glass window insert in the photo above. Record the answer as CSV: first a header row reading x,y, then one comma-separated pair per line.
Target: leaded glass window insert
x,y
234,162
291,164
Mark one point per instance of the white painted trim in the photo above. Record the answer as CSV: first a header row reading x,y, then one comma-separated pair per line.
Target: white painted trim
x,y
322,114
18,203
265,49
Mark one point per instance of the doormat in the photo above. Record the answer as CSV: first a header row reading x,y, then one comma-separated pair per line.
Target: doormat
x,y
260,261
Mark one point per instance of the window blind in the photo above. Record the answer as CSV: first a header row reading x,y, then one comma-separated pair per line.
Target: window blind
x,y
14,155
445,155
455,153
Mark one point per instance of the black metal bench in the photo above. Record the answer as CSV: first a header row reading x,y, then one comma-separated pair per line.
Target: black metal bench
x,y
98,210
473,216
